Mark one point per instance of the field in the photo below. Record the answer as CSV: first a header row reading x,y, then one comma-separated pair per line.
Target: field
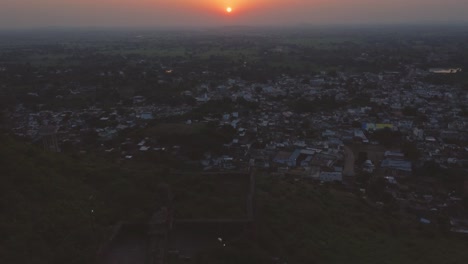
x,y
322,42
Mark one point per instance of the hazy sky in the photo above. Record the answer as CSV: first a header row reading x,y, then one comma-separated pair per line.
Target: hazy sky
x,y
40,13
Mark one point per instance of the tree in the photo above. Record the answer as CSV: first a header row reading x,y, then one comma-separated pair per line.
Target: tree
x,y
91,137
410,111
2,119
376,188
356,124
362,157
465,201
411,151
258,89
387,137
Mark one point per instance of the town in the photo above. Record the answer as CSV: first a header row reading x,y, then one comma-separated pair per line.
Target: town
x,y
395,133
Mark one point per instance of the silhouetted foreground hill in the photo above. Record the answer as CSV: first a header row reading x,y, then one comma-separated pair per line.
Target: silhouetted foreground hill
x,y
58,209
45,207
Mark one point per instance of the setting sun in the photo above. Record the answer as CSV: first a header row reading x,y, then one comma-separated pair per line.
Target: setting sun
x,y
229,9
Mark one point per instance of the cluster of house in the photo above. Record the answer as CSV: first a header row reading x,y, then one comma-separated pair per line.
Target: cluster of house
x,y
73,126
438,124
275,137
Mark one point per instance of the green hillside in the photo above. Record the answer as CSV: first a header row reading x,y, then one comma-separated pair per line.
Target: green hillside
x,y
47,202
308,224
302,223
45,208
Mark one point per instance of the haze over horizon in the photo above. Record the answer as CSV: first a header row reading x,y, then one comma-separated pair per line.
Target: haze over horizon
x,y
201,13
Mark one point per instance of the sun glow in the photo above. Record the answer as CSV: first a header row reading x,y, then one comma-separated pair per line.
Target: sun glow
x,y
229,9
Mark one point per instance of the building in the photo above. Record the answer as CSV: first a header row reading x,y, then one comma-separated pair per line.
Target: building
x,y
331,176
373,126
287,158
359,134
398,168
146,116
49,138
394,155
368,166
167,239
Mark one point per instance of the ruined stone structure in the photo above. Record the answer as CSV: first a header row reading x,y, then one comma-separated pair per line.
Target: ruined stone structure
x,y
164,237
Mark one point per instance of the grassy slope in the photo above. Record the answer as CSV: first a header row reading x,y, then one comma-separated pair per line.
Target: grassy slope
x,y
45,216
302,223
317,225
44,208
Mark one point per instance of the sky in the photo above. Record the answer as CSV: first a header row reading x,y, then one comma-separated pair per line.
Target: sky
x,y
202,13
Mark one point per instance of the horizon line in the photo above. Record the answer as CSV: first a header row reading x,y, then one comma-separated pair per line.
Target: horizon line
x,y
252,26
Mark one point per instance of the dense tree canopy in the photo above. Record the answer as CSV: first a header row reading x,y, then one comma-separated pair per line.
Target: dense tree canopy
x,y
58,209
